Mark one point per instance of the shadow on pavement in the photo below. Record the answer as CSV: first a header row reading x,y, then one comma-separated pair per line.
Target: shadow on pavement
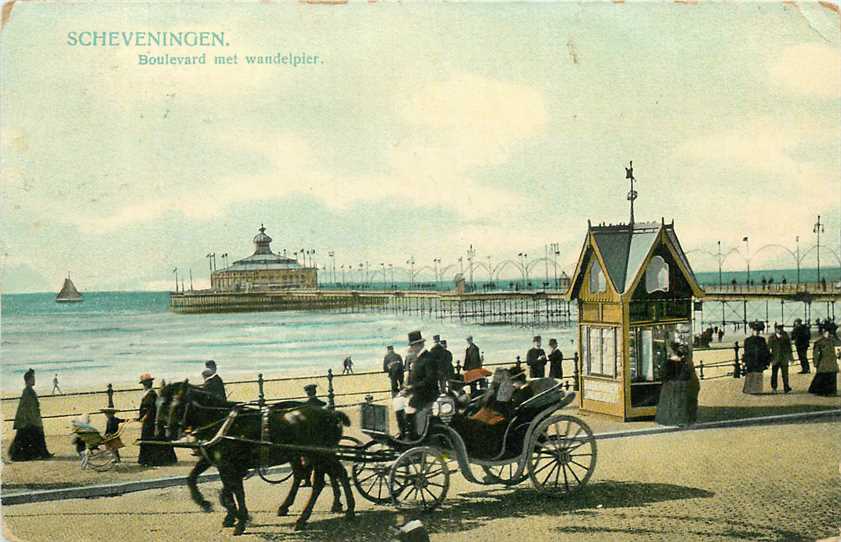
x,y
721,413
474,509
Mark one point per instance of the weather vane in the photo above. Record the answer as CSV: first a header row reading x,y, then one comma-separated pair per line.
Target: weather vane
x,y
632,194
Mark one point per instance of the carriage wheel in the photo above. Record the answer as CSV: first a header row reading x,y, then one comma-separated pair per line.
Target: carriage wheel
x,y
101,460
563,455
371,477
503,474
419,479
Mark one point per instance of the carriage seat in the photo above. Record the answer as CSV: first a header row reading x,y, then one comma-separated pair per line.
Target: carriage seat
x,y
538,393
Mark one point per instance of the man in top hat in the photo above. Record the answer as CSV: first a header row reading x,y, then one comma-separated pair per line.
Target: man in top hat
x,y
536,359
780,346
312,398
801,336
393,365
424,387
212,381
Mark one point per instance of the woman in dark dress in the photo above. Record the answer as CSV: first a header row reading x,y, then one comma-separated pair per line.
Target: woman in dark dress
x,y
826,362
757,357
151,455
678,404
556,359
29,442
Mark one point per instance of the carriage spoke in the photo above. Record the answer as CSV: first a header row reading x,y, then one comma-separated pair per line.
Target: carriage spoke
x,y
554,467
577,479
566,480
577,463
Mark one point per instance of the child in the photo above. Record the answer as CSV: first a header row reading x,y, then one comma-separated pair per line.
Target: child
x,y
112,425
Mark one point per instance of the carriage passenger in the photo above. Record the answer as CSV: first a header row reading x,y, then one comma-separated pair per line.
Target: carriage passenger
x,y
212,381
424,386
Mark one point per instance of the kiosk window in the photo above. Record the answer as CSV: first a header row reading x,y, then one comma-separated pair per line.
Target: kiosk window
x,y
598,282
600,351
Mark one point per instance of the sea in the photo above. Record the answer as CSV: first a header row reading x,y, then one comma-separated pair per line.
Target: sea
x,y
112,337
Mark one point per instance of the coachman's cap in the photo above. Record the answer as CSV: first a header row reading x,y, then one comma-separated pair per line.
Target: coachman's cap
x,y
536,338
757,325
415,337
310,388
553,341
146,377
436,338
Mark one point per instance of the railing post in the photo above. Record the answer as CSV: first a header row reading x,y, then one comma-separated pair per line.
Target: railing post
x,y
736,367
701,367
575,372
519,363
110,392
331,397
261,397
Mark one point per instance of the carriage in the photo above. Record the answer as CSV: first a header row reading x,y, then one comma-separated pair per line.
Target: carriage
x,y
531,439
100,453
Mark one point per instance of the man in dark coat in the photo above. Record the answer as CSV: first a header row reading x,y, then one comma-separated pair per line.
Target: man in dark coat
x,y
780,346
393,365
212,381
536,359
29,442
756,359
424,386
151,455
801,336
472,360
556,360
446,369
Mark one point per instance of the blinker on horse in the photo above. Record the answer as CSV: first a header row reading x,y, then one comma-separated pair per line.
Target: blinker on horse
x,y
255,438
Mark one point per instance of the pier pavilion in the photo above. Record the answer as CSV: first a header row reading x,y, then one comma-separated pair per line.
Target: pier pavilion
x,y
263,270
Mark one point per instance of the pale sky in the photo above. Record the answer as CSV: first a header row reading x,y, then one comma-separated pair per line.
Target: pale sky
x,y
426,128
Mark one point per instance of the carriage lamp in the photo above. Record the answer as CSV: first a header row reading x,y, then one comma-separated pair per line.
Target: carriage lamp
x,y
444,408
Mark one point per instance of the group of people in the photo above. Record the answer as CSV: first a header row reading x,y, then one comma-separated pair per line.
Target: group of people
x,y
437,360
775,351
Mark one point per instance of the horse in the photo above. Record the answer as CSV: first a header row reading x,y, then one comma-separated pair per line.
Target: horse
x,y
298,475
183,406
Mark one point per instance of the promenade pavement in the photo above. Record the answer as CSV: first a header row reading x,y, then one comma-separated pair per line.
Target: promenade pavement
x,y
776,483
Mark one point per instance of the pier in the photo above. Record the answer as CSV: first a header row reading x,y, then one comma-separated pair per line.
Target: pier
x,y
488,308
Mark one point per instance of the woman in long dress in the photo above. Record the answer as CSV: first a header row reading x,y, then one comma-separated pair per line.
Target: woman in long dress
x,y
757,357
678,403
29,442
152,455
826,362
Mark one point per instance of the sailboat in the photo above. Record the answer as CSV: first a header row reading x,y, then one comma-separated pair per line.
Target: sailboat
x,y
68,293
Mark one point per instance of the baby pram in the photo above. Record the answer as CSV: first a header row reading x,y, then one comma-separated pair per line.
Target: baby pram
x,y
96,452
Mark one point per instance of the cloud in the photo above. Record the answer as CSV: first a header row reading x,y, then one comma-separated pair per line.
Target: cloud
x,y
454,127
810,69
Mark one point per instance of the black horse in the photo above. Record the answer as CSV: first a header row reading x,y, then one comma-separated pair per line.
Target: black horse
x,y
183,406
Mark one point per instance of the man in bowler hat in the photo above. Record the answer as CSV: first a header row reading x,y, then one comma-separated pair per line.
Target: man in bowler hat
x,y
393,366
780,346
424,387
312,398
801,335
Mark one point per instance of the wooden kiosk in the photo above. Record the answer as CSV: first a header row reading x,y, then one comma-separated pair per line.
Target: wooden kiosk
x,y
634,288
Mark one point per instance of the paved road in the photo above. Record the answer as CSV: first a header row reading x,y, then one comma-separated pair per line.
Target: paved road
x,y
759,483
